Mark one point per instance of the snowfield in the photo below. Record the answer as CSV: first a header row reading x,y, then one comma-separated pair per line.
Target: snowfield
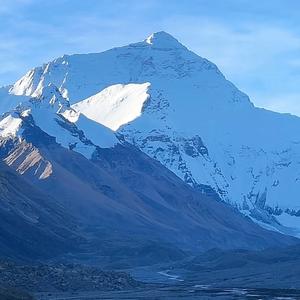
x,y
116,105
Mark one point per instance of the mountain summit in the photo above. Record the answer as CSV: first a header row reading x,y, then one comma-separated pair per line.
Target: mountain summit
x,y
163,40
178,108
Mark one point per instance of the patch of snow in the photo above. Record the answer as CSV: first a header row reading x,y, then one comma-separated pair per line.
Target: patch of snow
x,y
51,113
163,40
9,126
116,105
170,276
71,115
97,133
9,101
290,221
50,122
26,112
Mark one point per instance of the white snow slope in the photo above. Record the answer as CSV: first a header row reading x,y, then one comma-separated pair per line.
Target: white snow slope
x,y
116,105
52,114
178,108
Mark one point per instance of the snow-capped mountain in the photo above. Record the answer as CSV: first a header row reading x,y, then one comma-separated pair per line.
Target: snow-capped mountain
x,y
179,109
104,204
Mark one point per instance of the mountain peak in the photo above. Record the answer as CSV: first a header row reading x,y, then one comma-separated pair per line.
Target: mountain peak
x,y
162,39
50,95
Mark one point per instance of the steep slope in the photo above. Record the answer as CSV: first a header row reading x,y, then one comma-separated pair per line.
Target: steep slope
x,y
119,104
122,201
192,120
33,225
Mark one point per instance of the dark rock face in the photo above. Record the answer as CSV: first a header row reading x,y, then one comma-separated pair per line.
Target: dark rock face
x,y
195,147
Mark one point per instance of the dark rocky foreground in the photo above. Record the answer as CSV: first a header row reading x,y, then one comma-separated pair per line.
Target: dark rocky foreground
x,y
212,275
14,294
61,278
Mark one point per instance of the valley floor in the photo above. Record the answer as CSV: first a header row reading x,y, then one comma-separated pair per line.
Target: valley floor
x,y
178,291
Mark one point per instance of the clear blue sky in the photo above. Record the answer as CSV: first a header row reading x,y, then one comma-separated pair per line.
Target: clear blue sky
x,y
255,43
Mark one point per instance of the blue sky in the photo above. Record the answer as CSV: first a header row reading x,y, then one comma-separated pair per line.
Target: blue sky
x,y
256,44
